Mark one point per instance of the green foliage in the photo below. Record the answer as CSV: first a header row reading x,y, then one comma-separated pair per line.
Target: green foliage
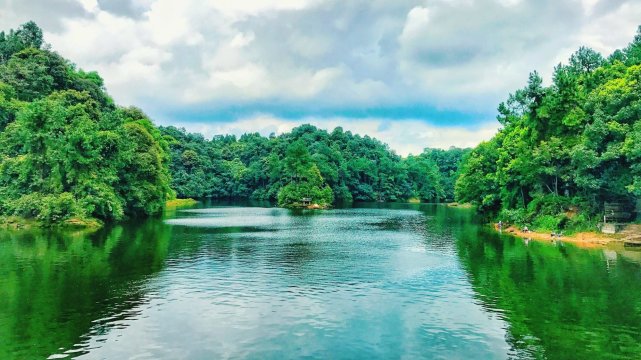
x,y
448,163
425,179
517,216
47,208
292,194
29,35
547,223
563,149
306,180
353,167
477,183
550,213
65,150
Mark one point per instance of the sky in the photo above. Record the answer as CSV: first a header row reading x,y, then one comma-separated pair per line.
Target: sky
x,y
411,73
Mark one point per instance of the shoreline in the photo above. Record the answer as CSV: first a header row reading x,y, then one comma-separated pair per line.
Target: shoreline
x,y
460,205
306,207
21,223
589,239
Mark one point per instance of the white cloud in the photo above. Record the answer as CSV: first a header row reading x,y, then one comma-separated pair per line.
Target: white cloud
x,y
89,5
242,40
323,55
462,55
407,136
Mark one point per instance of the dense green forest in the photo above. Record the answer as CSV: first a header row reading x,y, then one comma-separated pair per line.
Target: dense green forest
x,y
334,165
69,154
565,149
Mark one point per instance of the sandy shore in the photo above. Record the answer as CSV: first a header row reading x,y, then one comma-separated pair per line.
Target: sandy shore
x,y
584,239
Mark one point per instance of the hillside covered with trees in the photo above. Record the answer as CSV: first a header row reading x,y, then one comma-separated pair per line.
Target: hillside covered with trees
x,y
67,152
566,149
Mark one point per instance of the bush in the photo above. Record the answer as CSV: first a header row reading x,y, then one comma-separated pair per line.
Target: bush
x,y
549,204
547,223
57,208
49,209
26,206
514,216
581,222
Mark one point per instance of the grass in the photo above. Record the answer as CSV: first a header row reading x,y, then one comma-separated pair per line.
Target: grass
x,y
176,203
82,223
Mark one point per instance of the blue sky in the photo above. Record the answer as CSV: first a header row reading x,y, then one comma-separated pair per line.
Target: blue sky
x,y
412,73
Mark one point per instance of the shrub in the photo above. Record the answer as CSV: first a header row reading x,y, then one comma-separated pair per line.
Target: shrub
x,y
549,204
581,222
27,206
513,216
50,209
57,208
547,222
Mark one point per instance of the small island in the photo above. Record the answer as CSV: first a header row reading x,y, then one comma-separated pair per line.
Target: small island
x,y
306,187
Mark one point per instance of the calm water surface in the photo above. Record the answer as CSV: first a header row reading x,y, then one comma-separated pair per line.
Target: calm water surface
x,y
374,281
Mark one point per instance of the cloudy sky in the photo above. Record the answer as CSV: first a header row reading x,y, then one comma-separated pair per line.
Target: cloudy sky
x,y
412,73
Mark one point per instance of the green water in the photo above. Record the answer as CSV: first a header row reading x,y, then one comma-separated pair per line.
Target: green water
x,y
376,281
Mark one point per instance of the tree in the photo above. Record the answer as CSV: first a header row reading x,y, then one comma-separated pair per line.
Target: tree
x,y
66,151
29,35
585,60
305,179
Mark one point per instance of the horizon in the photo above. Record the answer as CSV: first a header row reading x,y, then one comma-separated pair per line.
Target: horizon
x,y
403,73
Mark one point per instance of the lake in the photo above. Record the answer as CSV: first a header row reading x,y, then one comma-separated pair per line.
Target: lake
x,y
369,281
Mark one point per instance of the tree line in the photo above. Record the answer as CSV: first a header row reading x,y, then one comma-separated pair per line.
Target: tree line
x,y
566,149
325,166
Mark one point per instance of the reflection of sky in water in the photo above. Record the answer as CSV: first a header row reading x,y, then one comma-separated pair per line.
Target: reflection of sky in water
x,y
349,283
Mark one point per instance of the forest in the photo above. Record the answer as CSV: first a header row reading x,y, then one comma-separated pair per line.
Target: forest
x,y
334,166
70,155
566,149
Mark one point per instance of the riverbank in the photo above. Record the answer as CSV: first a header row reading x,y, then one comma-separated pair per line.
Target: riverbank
x,y
20,223
582,239
460,206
